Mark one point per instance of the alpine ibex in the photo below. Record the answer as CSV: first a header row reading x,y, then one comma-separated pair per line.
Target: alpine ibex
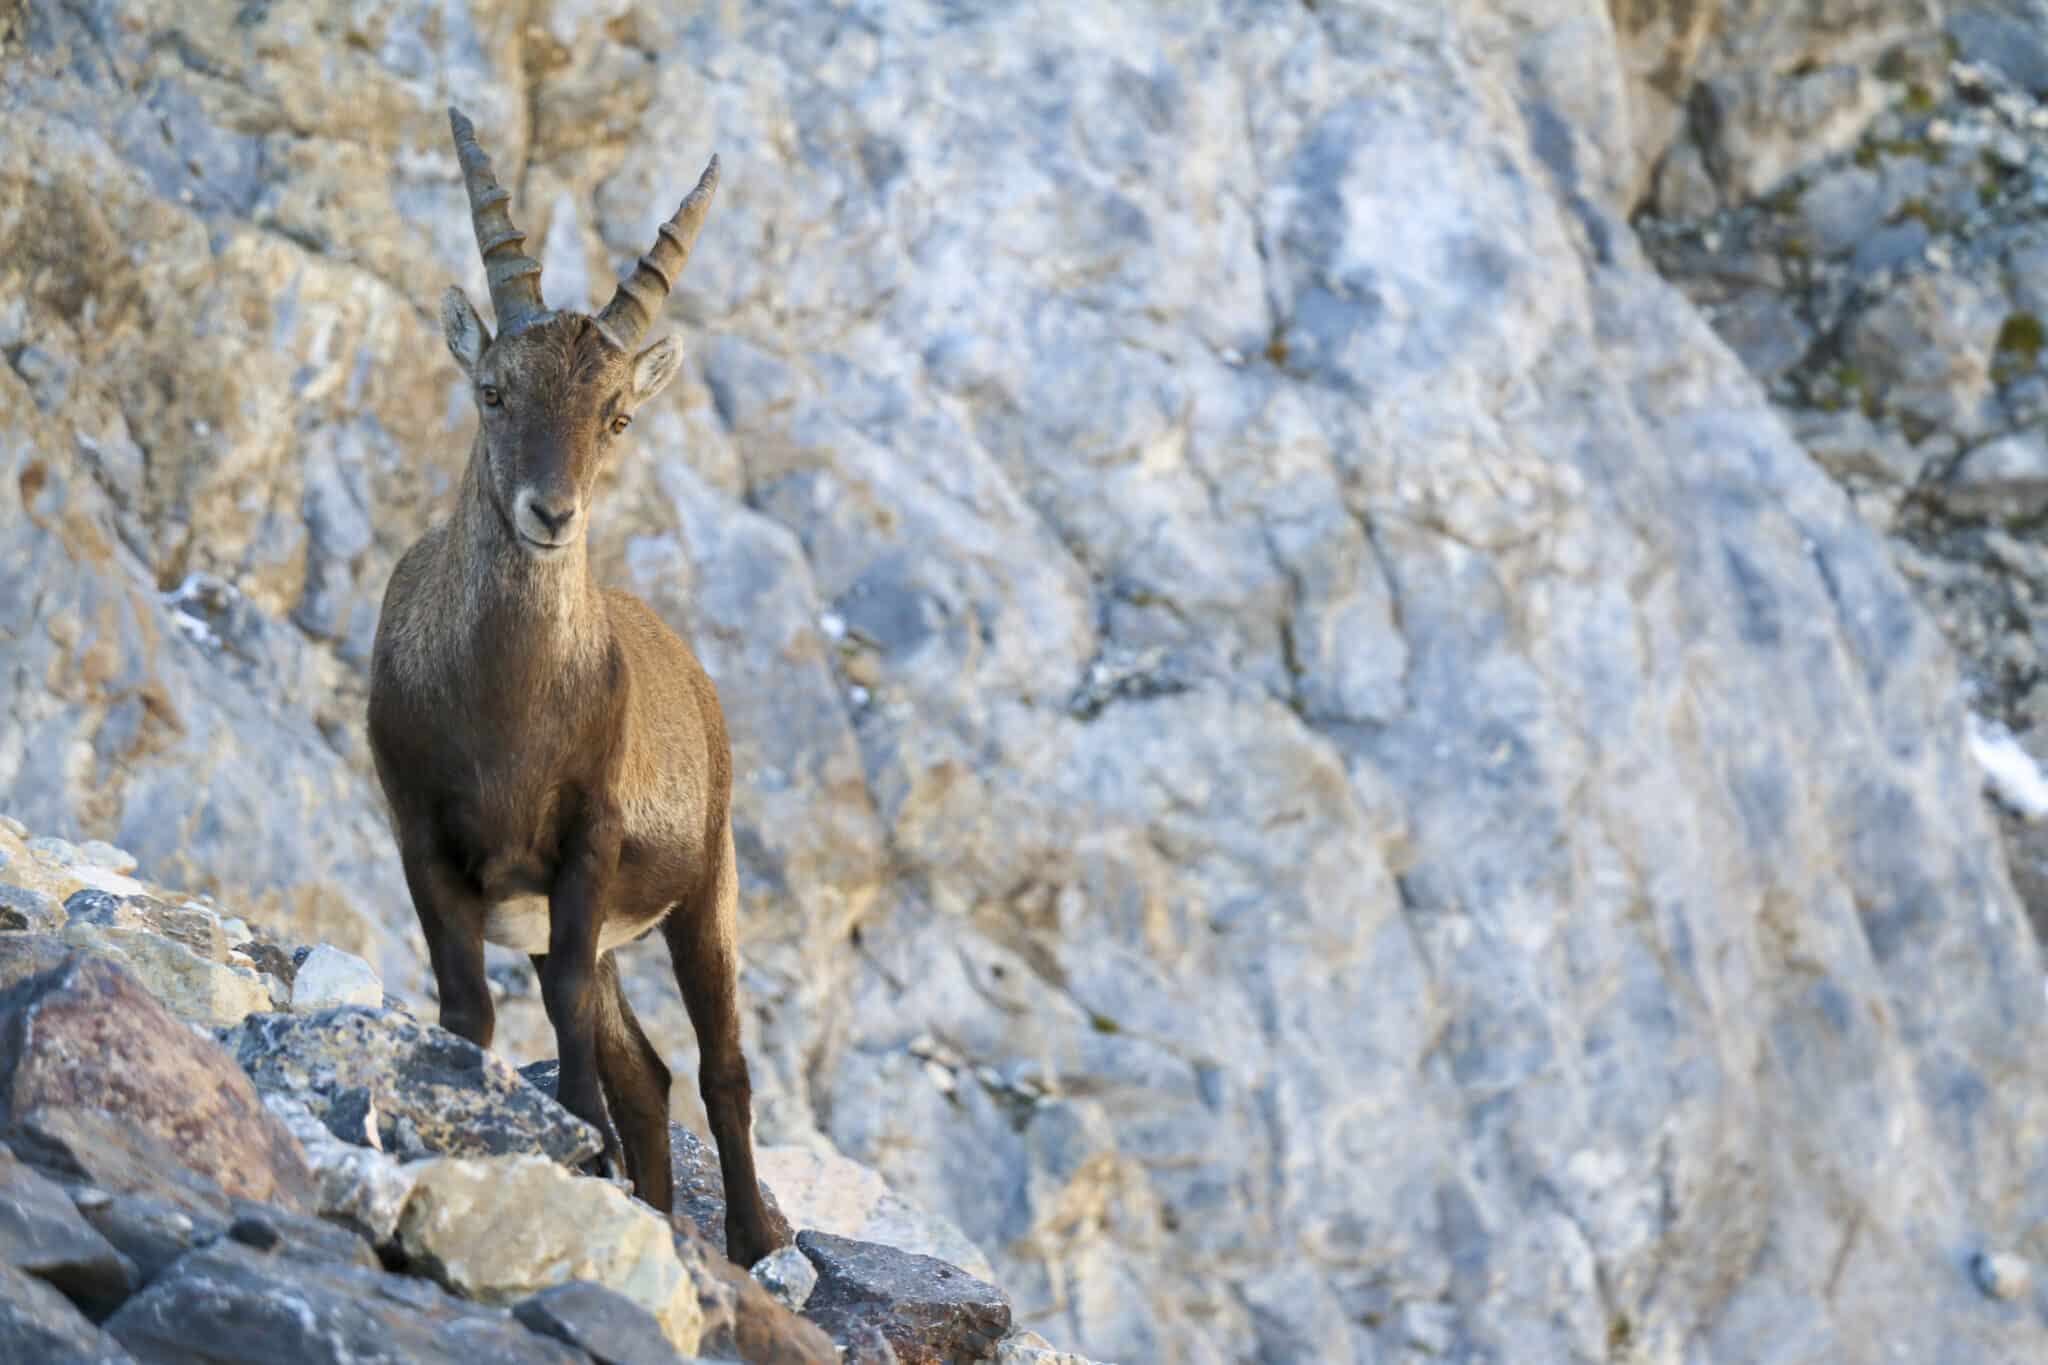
x,y
555,758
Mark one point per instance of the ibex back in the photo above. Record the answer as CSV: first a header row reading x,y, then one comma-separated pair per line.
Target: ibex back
x,y
554,756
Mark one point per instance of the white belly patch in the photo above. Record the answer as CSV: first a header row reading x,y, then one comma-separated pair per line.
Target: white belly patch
x,y
522,924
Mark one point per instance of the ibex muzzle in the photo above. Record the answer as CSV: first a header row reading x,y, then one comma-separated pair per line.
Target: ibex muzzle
x,y
555,758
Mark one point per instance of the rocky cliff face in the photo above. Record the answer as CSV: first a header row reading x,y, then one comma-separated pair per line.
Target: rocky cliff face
x,y
1317,767
1889,298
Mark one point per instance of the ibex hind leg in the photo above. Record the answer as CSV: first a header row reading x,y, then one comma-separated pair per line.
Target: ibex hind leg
x,y
701,936
635,1090
602,1111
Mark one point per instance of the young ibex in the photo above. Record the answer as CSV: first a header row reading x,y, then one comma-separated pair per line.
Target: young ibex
x,y
555,758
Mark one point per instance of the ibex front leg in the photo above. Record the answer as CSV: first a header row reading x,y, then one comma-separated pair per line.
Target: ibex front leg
x,y
570,986
702,946
452,922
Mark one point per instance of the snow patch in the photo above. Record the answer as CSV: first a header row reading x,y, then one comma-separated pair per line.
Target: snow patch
x,y
2010,772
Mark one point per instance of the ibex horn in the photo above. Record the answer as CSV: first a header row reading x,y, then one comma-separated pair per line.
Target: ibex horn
x,y
640,295
514,276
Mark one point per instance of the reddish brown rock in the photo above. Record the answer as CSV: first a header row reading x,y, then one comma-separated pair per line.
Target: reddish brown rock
x,y
112,1154
25,955
741,1319
87,1036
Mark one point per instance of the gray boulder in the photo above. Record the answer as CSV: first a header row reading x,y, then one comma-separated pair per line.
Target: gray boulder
x,y
429,1090
38,1323
41,1234
930,1313
607,1326
233,1305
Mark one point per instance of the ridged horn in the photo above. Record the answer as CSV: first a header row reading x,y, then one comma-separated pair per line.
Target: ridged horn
x,y
640,295
514,276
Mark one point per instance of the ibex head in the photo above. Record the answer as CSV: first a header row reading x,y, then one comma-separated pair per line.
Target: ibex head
x,y
555,390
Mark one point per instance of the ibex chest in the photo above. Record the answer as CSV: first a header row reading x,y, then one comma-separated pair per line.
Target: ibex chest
x,y
512,857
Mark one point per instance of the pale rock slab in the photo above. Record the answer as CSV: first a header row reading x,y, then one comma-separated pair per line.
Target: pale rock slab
x,y
330,976
836,1194
501,1229
198,989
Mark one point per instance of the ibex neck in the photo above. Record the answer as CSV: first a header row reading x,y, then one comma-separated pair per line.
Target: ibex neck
x,y
538,607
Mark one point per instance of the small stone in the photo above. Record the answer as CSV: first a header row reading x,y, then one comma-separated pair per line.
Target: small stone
x,y
1029,1348
297,1236
13,826
100,853
2002,42
788,1275
150,1231
500,1229
2005,479
93,906
2002,1275
352,1117
358,1187
609,1326
269,960
54,851
364,1189
328,976
1926,347
1840,208
1853,448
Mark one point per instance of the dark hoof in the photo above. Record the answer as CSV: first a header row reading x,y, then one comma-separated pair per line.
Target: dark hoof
x,y
609,1164
747,1249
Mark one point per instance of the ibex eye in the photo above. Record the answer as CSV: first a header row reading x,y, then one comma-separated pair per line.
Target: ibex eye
x,y
492,397
619,425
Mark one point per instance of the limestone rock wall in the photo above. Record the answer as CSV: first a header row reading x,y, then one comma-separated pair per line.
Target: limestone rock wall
x,y
1317,769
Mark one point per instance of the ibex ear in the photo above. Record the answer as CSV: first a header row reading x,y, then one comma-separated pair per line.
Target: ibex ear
x,y
466,333
654,367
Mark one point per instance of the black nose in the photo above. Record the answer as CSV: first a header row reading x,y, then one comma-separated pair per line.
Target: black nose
x,y
553,520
